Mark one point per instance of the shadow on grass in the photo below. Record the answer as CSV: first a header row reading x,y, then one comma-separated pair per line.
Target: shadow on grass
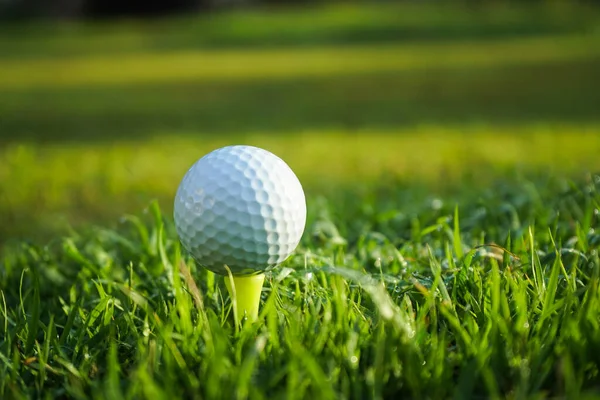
x,y
567,91
319,24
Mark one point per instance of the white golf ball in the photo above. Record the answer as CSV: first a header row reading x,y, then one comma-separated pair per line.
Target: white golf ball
x,y
240,207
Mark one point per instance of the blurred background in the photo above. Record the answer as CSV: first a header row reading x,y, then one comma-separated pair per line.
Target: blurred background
x,y
104,104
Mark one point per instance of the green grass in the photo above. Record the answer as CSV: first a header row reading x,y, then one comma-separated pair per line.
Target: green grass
x,y
306,26
109,133
286,64
52,188
449,156
387,296
543,92
276,65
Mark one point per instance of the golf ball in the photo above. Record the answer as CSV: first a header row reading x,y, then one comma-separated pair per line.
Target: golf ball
x,y
241,207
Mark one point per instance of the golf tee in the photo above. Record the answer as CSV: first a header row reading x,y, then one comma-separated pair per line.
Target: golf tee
x,y
245,295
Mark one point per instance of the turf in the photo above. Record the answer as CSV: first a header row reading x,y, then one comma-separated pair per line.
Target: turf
x,y
449,156
305,26
85,97
42,196
385,297
292,63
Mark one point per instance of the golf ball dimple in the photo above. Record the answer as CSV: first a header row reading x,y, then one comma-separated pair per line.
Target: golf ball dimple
x,y
240,207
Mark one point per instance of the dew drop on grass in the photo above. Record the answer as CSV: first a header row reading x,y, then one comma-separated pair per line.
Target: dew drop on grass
x,y
437,204
260,343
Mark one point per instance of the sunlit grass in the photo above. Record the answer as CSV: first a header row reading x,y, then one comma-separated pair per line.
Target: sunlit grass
x,y
451,246
309,25
290,63
386,296
75,182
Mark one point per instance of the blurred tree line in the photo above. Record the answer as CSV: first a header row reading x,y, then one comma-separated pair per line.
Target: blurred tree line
x,y
17,9
24,9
